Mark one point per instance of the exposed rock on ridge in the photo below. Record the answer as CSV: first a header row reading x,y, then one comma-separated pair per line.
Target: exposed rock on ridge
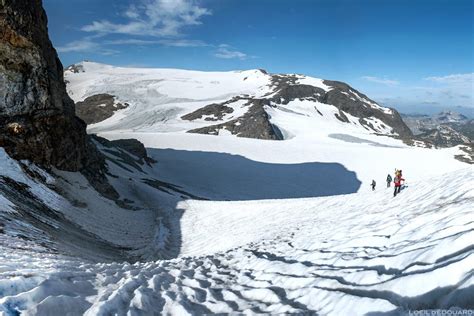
x,y
340,97
98,107
255,123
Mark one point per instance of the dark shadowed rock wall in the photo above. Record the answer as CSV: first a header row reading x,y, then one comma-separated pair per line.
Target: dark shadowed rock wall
x,y
37,119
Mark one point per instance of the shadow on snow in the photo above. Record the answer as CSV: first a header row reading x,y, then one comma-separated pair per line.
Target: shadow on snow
x,y
184,175
222,176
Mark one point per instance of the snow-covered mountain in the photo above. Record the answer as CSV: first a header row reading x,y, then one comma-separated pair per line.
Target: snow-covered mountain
x,y
250,103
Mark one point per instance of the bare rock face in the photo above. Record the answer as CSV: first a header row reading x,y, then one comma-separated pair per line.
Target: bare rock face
x,y
98,107
341,96
37,119
255,123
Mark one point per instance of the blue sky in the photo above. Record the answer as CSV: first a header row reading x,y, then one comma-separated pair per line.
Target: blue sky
x,y
400,53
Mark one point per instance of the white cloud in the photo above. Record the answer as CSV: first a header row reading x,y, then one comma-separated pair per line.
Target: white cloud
x,y
158,18
455,89
85,45
442,91
227,52
164,42
453,79
88,45
77,46
383,81
155,22
182,43
130,41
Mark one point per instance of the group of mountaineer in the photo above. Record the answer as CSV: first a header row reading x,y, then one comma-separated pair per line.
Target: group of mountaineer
x,y
397,181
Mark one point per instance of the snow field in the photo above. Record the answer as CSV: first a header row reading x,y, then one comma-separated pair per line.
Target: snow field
x,y
343,255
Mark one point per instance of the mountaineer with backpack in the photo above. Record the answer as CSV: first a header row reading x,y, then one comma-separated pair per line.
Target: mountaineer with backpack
x,y
389,180
398,182
373,185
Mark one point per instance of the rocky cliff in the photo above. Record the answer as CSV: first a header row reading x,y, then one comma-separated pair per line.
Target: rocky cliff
x,y
37,119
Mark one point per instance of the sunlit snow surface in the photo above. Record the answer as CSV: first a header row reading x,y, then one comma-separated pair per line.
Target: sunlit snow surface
x,y
342,255
288,226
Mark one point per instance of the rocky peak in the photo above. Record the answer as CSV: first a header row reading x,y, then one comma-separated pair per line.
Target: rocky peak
x,y
444,136
37,119
351,101
450,117
342,96
75,68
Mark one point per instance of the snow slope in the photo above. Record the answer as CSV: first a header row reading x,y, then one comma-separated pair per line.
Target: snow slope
x,y
251,226
342,255
158,97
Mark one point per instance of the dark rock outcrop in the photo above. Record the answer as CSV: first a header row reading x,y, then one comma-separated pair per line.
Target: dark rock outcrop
x,y
468,155
287,89
132,146
342,96
255,123
466,128
37,120
98,107
75,68
214,112
351,101
37,117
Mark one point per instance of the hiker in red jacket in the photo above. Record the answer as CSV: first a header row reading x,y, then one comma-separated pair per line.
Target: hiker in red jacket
x,y
398,182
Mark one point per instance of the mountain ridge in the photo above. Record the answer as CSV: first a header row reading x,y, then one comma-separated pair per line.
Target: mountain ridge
x,y
446,128
246,110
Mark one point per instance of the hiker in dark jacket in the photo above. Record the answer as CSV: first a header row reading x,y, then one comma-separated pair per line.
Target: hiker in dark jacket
x,y
389,180
373,185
